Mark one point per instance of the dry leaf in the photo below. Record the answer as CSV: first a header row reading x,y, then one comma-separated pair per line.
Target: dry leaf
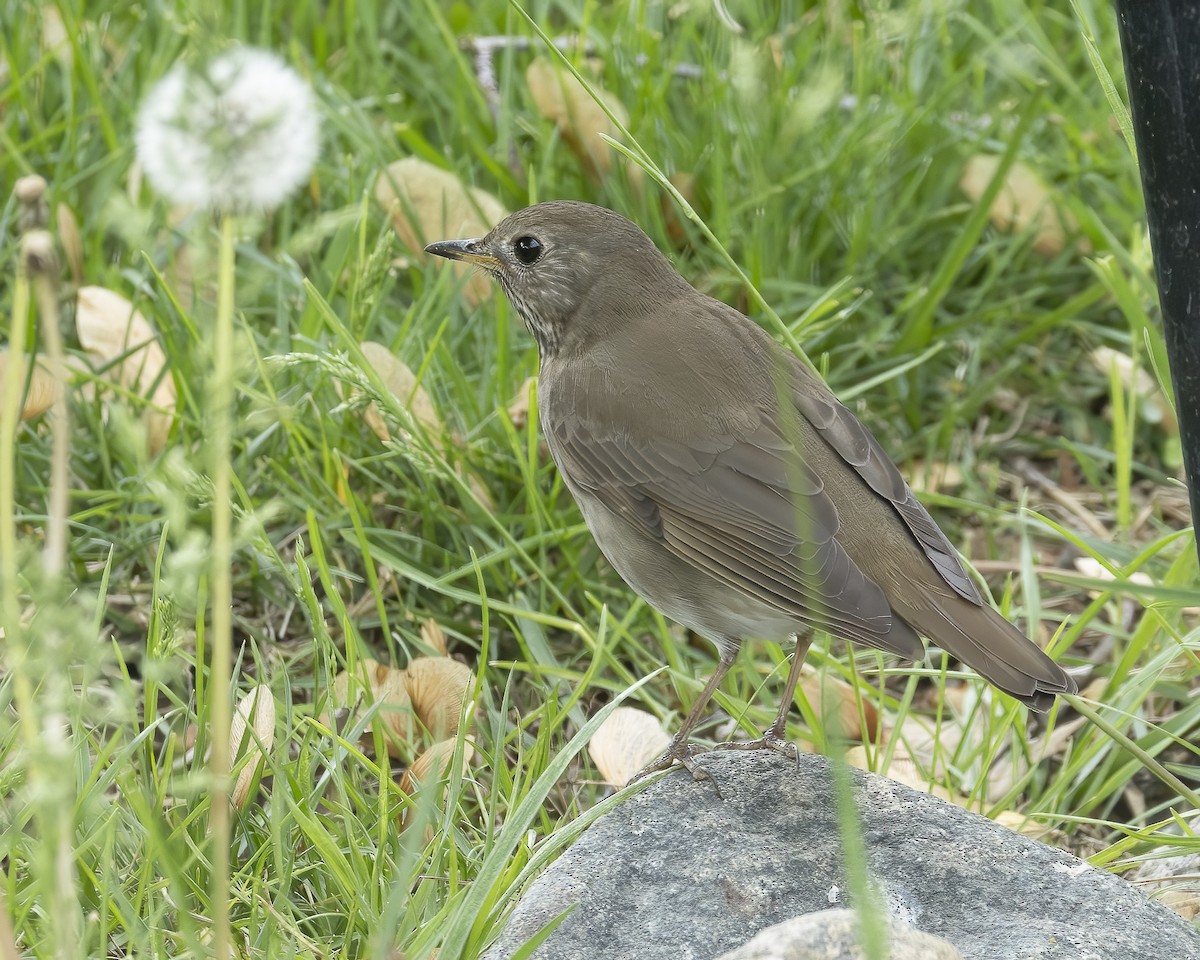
x,y
188,741
626,742
402,382
251,735
1152,406
427,203
1186,903
1024,202
430,767
903,769
922,739
434,636
434,764
44,386
388,690
109,327
1006,770
518,410
1094,691
1028,827
1093,568
438,686
1174,881
561,98
920,747
935,476
833,697
431,690
395,707
55,39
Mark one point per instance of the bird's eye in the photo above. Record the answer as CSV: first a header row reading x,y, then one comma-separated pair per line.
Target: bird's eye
x,y
528,249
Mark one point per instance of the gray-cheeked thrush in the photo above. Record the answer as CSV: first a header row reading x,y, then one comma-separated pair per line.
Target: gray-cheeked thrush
x,y
720,476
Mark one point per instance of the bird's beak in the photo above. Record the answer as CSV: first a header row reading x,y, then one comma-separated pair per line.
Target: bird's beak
x,y
472,251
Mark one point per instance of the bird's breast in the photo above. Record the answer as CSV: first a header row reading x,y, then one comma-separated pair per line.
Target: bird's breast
x,y
667,390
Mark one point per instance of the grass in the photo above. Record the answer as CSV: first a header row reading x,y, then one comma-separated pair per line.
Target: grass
x,y
830,176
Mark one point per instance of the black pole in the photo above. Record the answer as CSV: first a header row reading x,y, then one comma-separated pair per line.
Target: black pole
x,y
1160,41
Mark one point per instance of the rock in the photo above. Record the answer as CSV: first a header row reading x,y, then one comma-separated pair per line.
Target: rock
x,y
833,935
679,874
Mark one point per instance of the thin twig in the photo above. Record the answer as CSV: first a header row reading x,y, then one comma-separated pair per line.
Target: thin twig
x,y
483,52
1033,476
485,49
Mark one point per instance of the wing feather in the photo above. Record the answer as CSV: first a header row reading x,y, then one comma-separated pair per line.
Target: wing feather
x,y
849,438
744,515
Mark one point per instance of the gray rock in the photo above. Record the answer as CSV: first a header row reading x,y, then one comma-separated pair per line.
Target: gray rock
x,y
679,874
833,935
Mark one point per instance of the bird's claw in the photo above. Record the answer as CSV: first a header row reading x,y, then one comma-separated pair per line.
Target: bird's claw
x,y
770,740
683,753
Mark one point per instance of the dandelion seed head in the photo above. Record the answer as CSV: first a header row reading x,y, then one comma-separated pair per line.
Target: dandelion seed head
x,y
238,133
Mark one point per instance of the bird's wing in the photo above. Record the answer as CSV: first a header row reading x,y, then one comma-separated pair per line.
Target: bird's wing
x,y
853,442
744,510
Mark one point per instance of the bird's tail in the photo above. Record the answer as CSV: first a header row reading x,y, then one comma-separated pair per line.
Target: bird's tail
x,y
994,648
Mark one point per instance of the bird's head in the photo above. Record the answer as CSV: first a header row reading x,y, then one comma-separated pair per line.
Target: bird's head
x,y
571,269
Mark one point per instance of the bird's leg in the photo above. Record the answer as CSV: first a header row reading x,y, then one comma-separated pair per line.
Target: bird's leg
x,y
680,751
774,738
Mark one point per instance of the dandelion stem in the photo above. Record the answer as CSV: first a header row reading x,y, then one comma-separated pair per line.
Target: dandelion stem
x,y
14,645
10,403
236,133
43,269
220,447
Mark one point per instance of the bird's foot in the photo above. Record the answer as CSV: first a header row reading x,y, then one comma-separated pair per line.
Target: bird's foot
x,y
771,740
683,753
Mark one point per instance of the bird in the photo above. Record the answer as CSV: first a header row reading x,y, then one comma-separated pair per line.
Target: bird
x,y
719,474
